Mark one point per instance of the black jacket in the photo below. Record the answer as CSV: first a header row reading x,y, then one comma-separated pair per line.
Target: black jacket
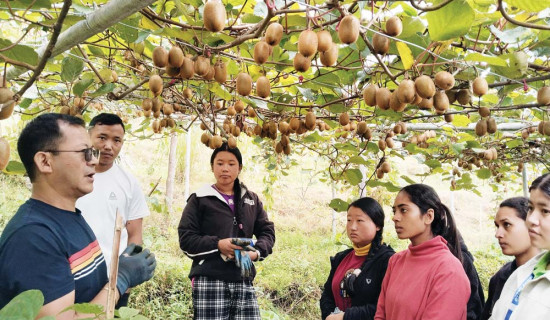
x,y
363,302
207,218
495,287
477,299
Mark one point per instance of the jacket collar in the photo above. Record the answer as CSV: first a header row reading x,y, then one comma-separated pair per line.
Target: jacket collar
x,y
208,191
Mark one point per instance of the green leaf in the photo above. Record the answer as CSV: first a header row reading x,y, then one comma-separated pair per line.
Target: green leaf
x,y
460,120
483,173
451,21
86,308
25,305
71,68
25,103
496,61
514,143
125,312
15,167
528,5
414,26
338,205
409,180
433,163
358,160
314,137
353,176
81,86
104,89
406,54
19,52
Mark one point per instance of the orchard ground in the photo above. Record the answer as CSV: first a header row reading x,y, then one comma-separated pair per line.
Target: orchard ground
x,y
289,281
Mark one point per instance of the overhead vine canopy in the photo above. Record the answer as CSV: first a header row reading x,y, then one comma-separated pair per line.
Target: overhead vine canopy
x,y
460,83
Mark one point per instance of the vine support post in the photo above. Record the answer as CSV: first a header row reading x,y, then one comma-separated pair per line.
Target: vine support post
x,y
187,162
524,181
334,213
172,162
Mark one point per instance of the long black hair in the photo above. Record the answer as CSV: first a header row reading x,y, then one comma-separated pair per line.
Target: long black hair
x,y
425,198
372,208
519,204
237,184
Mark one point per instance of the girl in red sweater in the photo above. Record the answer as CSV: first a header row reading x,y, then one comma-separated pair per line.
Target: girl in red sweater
x,y
426,281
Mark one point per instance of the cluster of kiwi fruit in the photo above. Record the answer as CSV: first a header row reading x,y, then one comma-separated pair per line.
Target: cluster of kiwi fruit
x,y
421,140
384,168
75,108
380,42
156,108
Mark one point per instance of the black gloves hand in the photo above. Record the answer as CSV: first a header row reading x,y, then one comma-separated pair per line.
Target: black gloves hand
x,y
134,267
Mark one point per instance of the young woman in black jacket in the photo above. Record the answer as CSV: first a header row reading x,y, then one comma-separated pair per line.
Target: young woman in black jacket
x,y
355,279
216,222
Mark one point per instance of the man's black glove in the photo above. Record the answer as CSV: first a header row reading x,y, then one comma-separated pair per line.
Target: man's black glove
x,y
134,267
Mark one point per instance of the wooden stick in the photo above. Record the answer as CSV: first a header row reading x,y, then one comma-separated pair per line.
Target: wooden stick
x,y
111,287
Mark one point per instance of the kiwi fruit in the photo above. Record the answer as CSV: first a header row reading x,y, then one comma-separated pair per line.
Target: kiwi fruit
x,y
295,123
263,88
217,141
383,98
172,71
214,16
324,41
114,76
285,140
382,144
239,106
424,86
451,95
301,63
244,84
156,105
403,127
155,84
441,102
406,91
361,127
220,71
231,111
543,96
307,43
310,120
448,117
395,104
344,118
147,113
160,57
426,104
369,95
272,127
385,167
481,127
524,134
286,149
251,112
219,104
187,68
397,128
156,114
257,130
380,43
328,58
463,97
279,147
7,109
480,86
202,66
147,104
484,112
205,138
348,29
156,126
175,57
167,109
444,80
284,127
379,173
235,131
389,142
274,34
394,26
187,93
546,128
541,127
231,142
261,52
491,125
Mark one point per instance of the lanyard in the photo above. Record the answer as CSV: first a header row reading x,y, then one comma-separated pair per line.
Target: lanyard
x,y
515,299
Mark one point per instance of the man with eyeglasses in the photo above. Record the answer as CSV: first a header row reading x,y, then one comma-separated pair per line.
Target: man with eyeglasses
x,y
114,189
47,245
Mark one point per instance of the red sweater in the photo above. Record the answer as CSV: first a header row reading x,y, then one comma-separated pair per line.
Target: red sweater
x,y
424,282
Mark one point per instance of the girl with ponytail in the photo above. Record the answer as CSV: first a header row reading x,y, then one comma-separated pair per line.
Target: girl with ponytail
x,y
352,288
216,231
426,281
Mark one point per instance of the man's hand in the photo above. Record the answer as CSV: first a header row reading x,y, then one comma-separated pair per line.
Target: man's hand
x,y
227,248
336,316
135,267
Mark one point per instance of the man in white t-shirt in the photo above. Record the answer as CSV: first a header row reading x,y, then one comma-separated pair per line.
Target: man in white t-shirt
x,y
114,188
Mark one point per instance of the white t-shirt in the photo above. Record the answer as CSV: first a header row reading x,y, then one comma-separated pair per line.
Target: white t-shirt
x,y
114,188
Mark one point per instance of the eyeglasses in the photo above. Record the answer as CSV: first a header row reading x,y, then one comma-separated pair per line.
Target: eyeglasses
x,y
89,153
